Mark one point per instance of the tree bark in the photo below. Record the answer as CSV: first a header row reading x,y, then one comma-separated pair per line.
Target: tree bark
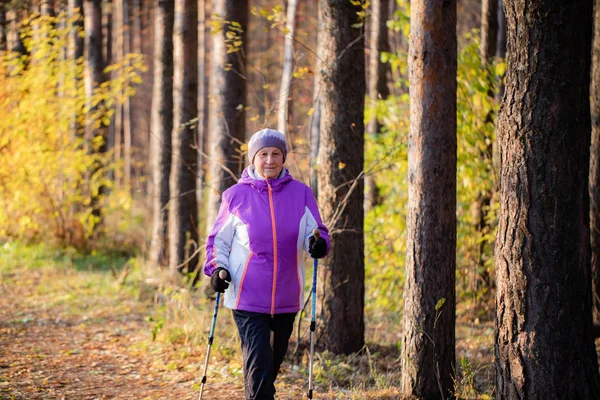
x,y
595,165
162,126
95,132
315,118
377,88
118,58
183,208
489,29
127,127
288,66
3,27
340,161
428,343
543,339
226,117
203,79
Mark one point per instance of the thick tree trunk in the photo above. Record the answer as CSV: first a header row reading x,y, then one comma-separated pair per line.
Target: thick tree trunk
x,y
377,88
162,126
226,118
595,165
183,208
543,340
428,344
288,65
341,160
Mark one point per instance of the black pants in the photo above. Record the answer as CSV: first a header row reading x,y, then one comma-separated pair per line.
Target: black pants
x,y
262,353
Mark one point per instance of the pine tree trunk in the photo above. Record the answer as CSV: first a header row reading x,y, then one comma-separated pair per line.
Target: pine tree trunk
x,y
226,118
288,66
203,79
162,126
341,160
118,58
489,29
315,118
428,343
95,136
595,165
543,339
183,209
377,88
3,28
127,127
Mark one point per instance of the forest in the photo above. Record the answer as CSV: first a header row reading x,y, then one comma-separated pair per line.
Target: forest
x,y
452,147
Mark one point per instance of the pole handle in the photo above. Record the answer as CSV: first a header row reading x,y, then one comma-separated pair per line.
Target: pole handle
x,y
223,274
316,233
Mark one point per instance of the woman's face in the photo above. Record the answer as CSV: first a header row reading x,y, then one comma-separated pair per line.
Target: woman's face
x,y
268,162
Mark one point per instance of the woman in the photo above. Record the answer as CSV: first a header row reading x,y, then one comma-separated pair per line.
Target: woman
x,y
265,222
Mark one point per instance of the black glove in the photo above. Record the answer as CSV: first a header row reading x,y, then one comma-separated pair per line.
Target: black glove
x,y
317,248
218,284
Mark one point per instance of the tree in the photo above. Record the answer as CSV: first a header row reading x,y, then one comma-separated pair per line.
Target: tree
x,y
543,337
162,126
340,166
377,82
288,65
595,166
429,296
95,132
183,209
228,99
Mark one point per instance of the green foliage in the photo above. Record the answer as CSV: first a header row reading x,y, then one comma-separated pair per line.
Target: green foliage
x,y
50,173
386,159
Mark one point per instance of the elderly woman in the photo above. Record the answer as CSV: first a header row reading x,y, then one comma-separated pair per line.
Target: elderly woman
x,y
265,222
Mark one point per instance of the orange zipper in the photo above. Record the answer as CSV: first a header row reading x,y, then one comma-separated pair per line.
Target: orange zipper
x,y
273,227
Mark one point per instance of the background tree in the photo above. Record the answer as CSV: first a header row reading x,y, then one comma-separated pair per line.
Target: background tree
x,y
288,64
595,172
228,99
428,353
340,166
162,126
377,80
183,208
543,339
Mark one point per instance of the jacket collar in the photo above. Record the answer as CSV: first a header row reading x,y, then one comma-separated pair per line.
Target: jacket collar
x,y
249,177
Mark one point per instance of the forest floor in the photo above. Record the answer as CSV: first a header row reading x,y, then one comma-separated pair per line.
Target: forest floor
x,y
61,337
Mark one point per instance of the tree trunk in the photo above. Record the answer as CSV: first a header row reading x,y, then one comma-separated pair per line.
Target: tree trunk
x,y
162,126
118,58
288,66
95,135
428,342
183,208
341,160
489,29
543,339
3,27
126,32
378,88
595,166
226,117
203,79
106,33
315,118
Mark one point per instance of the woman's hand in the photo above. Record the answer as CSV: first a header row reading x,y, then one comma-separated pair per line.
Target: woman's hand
x,y
317,247
219,280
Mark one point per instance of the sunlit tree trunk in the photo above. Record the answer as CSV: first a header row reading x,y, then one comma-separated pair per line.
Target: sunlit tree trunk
x,y
228,99
377,82
162,126
183,208
315,118
288,65
340,161
428,339
543,338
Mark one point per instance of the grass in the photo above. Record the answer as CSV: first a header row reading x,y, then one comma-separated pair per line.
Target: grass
x,y
86,288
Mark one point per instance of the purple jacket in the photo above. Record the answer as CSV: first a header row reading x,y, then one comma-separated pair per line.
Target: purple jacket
x,y
260,233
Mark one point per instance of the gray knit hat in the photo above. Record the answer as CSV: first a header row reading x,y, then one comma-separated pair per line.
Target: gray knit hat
x,y
266,138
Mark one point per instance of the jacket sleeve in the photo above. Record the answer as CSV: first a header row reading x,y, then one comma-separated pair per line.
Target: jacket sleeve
x,y
218,245
313,220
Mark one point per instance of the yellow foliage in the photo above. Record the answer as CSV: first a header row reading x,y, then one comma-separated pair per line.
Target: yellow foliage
x,y
48,170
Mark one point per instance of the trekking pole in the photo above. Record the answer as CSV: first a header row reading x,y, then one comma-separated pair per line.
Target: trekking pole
x,y
211,335
313,323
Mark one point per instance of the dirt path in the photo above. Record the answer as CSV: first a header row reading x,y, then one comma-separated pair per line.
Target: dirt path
x,y
46,353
